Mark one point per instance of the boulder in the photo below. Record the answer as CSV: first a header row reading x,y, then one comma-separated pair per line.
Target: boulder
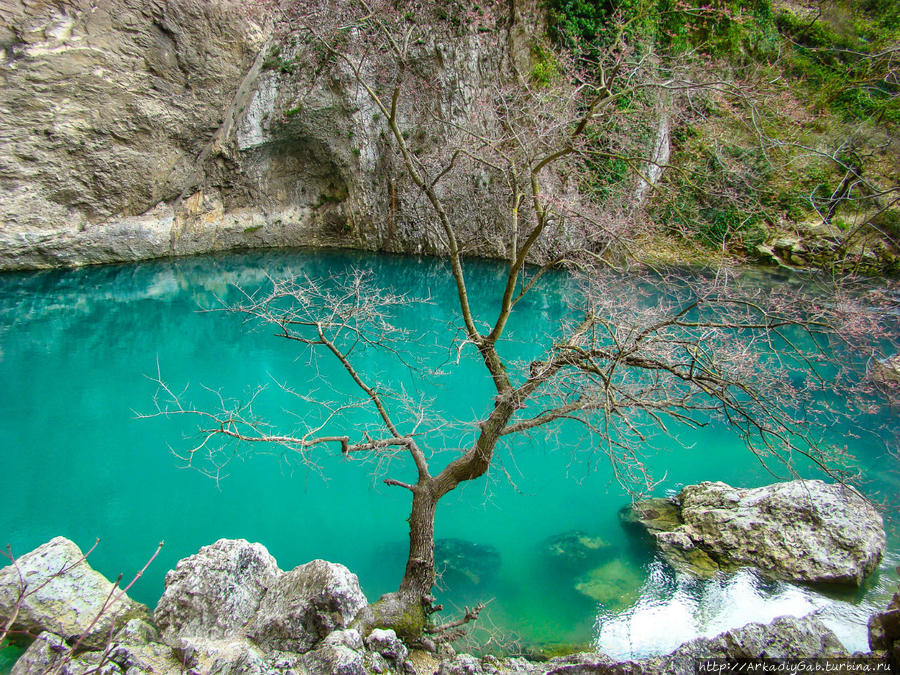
x,y
62,594
305,604
216,592
652,515
784,638
336,660
884,632
41,655
386,643
805,531
152,657
136,632
348,637
230,656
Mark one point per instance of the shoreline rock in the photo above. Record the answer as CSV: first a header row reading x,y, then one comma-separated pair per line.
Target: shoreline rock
x,y
801,531
229,609
53,588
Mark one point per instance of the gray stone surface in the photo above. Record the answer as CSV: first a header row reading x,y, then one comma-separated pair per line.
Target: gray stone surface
x,y
335,659
46,650
229,656
884,632
138,128
216,592
386,643
305,604
806,531
54,589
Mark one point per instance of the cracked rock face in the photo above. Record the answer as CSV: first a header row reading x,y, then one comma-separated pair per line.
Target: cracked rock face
x,y
306,604
61,593
105,109
216,592
134,129
806,531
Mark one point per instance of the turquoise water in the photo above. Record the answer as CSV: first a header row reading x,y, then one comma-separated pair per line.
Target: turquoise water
x,y
76,350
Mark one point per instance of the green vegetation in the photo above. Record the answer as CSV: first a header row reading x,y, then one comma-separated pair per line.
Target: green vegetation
x,y
545,68
802,130
717,28
275,61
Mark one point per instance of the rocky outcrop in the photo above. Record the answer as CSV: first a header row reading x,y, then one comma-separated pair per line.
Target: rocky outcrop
x,y
321,598
216,592
135,129
304,605
826,246
806,531
54,589
234,589
884,631
786,637
109,111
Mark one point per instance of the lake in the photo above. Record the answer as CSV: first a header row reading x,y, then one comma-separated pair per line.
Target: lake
x,y
79,349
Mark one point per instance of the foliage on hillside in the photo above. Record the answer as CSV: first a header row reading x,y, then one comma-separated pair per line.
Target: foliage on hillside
x,y
795,132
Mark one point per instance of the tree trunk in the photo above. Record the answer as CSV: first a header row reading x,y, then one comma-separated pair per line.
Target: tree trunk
x,y
419,577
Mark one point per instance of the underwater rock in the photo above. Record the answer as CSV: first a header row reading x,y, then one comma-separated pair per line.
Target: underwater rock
x,y
215,592
459,561
62,594
806,531
575,549
615,584
304,605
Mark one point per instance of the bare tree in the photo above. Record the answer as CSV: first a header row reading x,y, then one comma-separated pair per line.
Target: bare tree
x,y
718,350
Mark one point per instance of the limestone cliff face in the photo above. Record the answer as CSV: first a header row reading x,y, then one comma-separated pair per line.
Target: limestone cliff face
x,y
133,129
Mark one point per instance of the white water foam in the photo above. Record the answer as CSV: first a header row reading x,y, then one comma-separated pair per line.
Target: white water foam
x,y
674,609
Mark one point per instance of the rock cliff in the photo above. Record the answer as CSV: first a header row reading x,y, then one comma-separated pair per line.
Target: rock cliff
x,y
135,129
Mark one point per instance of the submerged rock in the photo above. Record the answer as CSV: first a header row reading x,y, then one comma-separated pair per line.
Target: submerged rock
x,y
62,594
614,585
304,605
806,531
215,592
459,561
575,549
